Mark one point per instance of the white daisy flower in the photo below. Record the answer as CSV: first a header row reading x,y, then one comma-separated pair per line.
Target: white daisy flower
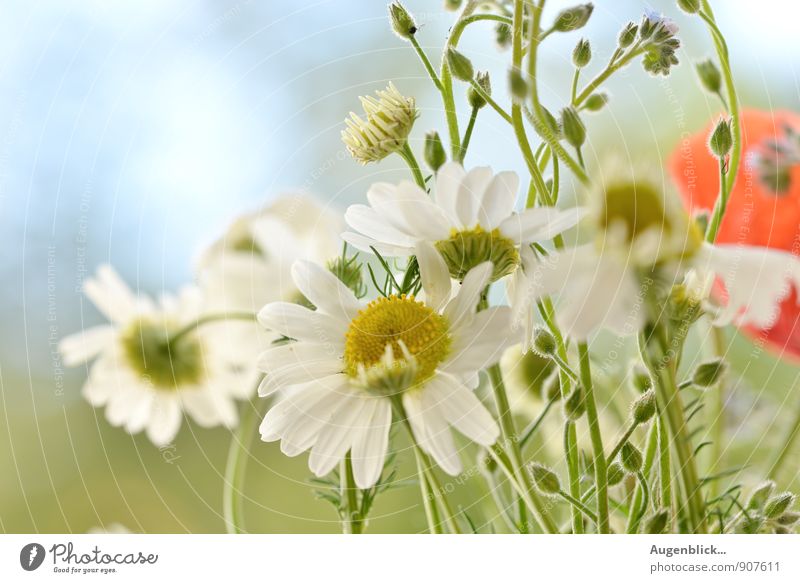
x,y
144,373
351,360
470,220
646,243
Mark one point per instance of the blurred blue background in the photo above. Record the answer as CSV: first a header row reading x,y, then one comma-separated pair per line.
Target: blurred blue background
x,y
131,132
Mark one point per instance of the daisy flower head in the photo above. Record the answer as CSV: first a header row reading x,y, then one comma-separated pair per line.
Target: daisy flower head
x,y
389,119
150,364
646,245
470,220
350,363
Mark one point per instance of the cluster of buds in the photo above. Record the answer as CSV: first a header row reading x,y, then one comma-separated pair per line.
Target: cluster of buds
x,y
658,33
768,512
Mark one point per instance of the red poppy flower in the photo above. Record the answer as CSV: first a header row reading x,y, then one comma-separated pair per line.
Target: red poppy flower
x,y
764,207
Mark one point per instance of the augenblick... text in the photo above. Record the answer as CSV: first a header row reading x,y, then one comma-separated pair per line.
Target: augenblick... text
x,y
687,550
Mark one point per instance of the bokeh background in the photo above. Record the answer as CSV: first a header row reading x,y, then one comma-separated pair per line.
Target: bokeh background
x,y
131,132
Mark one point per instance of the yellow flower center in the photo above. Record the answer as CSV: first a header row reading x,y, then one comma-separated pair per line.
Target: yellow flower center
x,y
471,247
160,358
391,321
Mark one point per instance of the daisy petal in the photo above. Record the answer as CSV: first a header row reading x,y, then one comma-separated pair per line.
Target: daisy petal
x,y
482,342
369,450
84,346
466,302
369,223
540,223
325,290
336,436
295,363
498,200
165,420
300,323
463,410
448,181
470,195
366,244
435,277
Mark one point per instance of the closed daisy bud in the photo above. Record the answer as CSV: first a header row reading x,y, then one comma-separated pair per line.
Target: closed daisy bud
x,y
574,405
631,458
628,35
517,85
657,523
475,98
460,65
689,6
546,479
572,125
778,505
573,18
709,373
389,119
644,407
435,155
758,499
544,343
615,473
596,102
582,53
402,22
502,36
710,76
721,140
641,379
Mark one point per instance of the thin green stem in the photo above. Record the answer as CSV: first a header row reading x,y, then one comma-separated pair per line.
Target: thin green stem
x,y
579,505
664,462
614,64
717,420
535,424
786,448
492,103
600,468
720,206
407,154
236,467
649,459
352,522
468,133
208,319
426,62
431,513
575,78
622,441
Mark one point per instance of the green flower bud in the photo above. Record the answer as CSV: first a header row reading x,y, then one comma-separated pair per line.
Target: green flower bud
x,y
574,130
502,36
641,379
460,65
435,154
402,22
788,518
582,53
475,99
452,5
615,473
348,270
710,76
551,128
595,102
628,35
544,343
644,407
574,405
778,505
573,18
689,6
517,85
657,523
721,140
709,373
546,479
631,458
760,495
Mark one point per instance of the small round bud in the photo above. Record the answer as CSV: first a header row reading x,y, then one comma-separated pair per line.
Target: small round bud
x,y
550,129
574,405
595,102
435,155
778,505
502,36
644,407
709,373
572,125
721,140
460,65
788,518
546,479
544,343
631,458
689,6
582,53
452,5
474,97
517,85
573,18
657,523
758,499
710,77
615,473
402,22
641,379
628,35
